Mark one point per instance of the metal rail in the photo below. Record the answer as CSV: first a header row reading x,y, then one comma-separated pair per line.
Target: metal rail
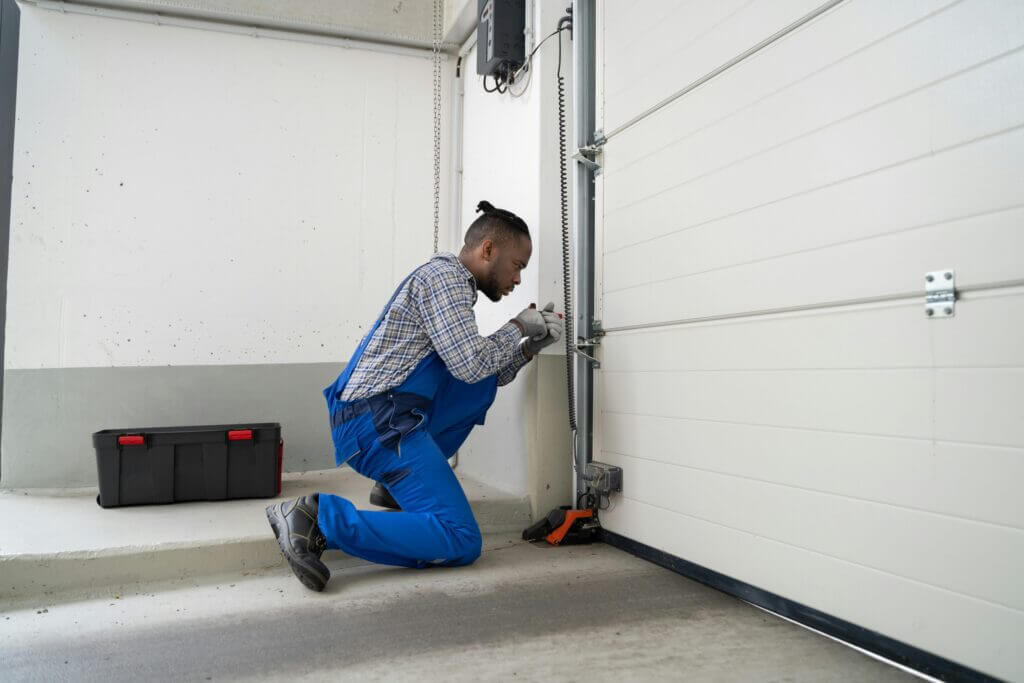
x,y
584,13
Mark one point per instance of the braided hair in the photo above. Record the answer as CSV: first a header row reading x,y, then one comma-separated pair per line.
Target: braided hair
x,y
497,224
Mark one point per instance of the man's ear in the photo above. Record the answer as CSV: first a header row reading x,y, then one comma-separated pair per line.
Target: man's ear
x,y
487,249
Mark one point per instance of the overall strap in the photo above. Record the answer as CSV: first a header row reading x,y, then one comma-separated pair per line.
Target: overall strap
x,y
339,385
387,306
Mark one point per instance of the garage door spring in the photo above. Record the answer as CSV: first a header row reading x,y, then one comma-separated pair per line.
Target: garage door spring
x,y
563,177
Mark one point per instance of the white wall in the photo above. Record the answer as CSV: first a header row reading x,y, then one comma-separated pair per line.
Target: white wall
x,y
510,158
194,197
499,165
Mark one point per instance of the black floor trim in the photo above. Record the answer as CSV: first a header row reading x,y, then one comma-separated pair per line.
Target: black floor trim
x,y
891,649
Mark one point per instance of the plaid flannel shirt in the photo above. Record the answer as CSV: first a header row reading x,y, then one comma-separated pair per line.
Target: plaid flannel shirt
x,y
434,312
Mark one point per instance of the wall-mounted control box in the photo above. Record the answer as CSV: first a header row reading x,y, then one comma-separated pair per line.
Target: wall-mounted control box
x,y
500,44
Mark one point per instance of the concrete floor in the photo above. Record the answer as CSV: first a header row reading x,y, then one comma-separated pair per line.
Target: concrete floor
x,y
522,612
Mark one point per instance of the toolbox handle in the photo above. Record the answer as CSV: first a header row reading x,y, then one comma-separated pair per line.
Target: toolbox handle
x,y
131,440
240,435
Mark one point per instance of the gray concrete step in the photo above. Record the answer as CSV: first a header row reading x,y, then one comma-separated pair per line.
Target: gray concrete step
x,y
61,541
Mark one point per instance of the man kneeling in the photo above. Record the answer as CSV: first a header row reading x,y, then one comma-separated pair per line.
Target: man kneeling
x,y
417,384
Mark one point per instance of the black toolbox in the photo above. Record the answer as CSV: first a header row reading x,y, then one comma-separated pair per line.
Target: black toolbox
x,y
175,464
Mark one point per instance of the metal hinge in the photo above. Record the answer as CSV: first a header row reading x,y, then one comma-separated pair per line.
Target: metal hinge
x,y
588,154
940,294
588,157
591,343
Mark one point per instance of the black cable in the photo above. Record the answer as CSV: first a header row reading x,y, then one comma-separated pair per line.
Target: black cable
x,y
495,88
505,75
526,62
588,500
570,336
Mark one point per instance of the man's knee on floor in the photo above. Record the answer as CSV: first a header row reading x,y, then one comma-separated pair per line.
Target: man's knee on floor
x,y
467,544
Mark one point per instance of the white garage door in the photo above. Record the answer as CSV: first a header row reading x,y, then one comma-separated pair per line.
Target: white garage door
x,y
784,411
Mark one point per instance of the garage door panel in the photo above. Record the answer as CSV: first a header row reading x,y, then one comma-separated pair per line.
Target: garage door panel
x,y
646,34
969,181
967,406
909,610
957,555
784,411
781,94
968,481
980,405
845,338
962,110
683,47
981,250
879,402
896,335
630,25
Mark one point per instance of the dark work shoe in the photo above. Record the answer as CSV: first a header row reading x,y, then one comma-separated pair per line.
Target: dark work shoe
x,y
381,497
301,541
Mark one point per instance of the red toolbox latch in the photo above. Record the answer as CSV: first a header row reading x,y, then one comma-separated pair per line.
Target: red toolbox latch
x,y
131,440
240,435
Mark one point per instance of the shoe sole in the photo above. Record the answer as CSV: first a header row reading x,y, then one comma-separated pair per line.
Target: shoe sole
x,y
310,577
384,501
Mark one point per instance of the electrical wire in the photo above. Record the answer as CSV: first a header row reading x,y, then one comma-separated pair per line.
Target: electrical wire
x,y
526,64
502,83
587,500
497,84
504,77
524,83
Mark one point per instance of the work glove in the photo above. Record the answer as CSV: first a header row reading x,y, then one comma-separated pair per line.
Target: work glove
x,y
553,328
532,321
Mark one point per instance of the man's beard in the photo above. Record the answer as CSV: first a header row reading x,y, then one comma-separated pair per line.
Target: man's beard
x,y
490,288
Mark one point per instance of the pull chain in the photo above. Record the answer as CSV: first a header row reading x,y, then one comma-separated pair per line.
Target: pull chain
x,y
438,18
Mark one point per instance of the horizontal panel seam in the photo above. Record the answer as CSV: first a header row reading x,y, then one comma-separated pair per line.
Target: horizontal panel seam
x,y
820,492
810,250
813,131
778,35
909,297
835,183
670,14
813,430
792,84
833,557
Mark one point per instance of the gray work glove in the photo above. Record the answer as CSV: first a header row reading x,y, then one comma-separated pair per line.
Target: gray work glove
x,y
553,328
532,321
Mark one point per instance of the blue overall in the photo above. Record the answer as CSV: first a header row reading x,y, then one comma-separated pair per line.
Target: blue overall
x,y
403,439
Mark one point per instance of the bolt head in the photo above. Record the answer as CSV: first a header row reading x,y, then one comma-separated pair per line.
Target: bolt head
x,y
948,310
949,276
929,311
929,278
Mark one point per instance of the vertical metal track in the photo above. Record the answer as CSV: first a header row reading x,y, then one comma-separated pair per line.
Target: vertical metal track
x,y
584,14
